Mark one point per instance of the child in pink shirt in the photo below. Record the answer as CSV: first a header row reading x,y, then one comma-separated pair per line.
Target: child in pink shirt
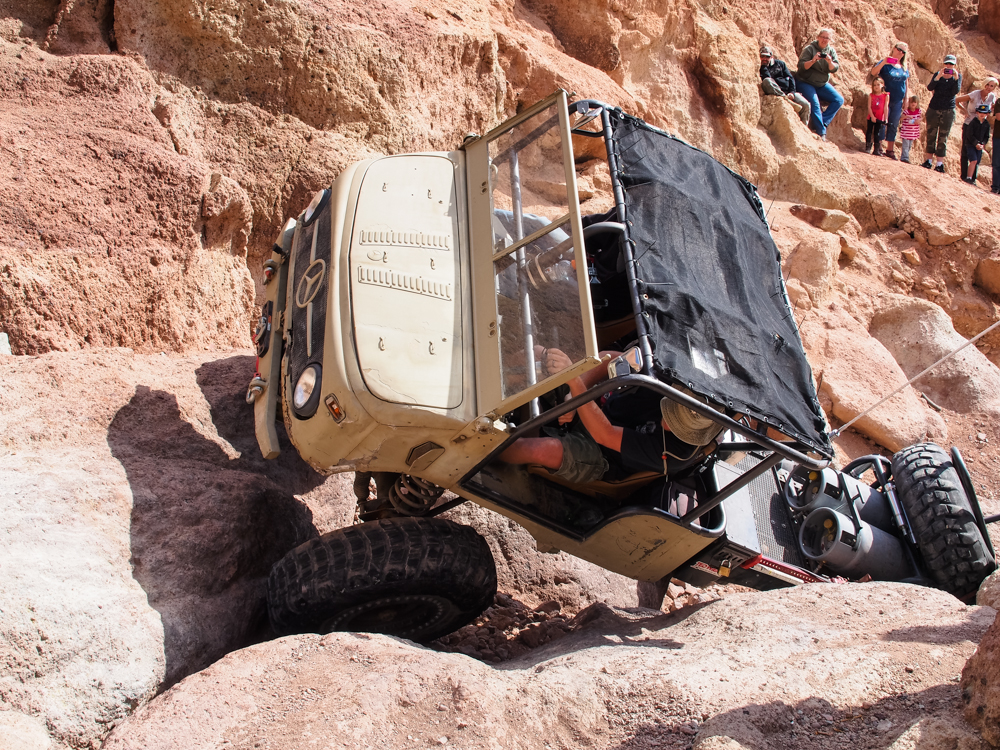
x,y
909,127
878,116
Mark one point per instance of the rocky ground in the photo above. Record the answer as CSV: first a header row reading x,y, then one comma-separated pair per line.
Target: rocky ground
x,y
151,151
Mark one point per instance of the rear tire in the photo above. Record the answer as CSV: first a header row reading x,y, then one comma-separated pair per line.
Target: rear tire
x,y
416,578
942,519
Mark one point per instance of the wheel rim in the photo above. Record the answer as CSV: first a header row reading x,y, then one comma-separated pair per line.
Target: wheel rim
x,y
408,615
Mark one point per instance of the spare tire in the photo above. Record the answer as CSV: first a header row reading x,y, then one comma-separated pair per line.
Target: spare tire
x,y
942,519
417,578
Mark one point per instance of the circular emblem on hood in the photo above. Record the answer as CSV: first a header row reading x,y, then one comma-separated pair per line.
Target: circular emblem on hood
x,y
310,283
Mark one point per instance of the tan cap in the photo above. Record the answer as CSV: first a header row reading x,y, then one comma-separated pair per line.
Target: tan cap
x,y
689,426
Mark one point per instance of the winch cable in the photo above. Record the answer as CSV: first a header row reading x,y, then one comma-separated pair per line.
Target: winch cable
x,y
836,433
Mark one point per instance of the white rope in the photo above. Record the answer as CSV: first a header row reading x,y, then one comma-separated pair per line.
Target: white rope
x,y
840,430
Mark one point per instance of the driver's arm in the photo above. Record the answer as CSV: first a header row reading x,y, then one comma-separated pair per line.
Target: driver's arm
x,y
594,420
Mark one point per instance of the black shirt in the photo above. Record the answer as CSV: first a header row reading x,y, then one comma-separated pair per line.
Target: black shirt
x,y
976,132
637,410
643,448
945,90
781,75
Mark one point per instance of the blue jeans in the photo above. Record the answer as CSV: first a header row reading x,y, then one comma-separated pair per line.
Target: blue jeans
x,y
820,120
895,112
996,165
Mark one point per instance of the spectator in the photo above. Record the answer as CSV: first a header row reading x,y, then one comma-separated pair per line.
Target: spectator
x,y
817,61
974,137
776,80
944,85
996,147
986,95
909,127
895,72
878,109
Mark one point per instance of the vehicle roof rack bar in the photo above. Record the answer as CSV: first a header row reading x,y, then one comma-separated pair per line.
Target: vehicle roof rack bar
x,y
742,481
626,240
762,441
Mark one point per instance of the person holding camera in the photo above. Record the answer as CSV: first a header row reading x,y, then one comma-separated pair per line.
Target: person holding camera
x,y
816,63
944,87
895,71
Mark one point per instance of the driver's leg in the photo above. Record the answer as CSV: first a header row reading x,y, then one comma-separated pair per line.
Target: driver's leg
x,y
541,451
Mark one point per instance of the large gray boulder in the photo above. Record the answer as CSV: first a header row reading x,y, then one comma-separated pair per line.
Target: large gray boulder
x,y
918,333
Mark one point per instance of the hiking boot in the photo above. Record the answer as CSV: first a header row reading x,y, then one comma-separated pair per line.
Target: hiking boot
x,y
939,168
969,180
891,153
927,165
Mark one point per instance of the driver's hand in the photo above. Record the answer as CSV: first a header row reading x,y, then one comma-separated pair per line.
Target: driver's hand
x,y
554,360
568,416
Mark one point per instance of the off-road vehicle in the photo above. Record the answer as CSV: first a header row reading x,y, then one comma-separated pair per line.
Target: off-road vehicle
x,y
407,310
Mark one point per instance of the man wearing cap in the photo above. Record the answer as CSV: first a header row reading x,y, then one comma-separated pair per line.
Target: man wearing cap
x,y
974,137
944,87
776,80
581,456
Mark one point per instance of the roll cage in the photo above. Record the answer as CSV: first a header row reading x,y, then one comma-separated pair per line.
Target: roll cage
x,y
748,430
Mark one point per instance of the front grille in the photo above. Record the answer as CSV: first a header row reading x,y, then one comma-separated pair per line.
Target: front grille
x,y
309,294
775,531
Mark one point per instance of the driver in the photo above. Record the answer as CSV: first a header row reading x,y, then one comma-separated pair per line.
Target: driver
x,y
582,455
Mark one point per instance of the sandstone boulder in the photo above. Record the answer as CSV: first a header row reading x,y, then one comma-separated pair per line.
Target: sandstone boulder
x,y
917,333
987,275
139,523
855,371
981,686
989,591
621,679
989,18
936,733
829,220
813,263
940,230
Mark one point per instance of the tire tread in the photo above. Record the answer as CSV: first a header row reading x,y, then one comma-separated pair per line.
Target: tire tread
x,y
941,517
379,558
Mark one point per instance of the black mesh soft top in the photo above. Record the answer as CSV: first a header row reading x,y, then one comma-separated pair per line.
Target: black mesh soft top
x,y
710,285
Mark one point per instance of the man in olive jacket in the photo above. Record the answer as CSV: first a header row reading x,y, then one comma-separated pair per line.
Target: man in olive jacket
x,y
817,61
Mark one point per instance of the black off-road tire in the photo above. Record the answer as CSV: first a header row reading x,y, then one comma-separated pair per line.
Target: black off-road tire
x,y
417,578
942,519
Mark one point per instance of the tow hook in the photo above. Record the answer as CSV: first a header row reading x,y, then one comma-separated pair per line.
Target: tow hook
x,y
256,388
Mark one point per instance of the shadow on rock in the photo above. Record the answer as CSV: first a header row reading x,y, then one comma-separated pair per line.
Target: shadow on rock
x,y
206,524
813,724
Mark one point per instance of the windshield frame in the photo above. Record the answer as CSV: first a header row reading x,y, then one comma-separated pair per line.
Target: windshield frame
x,y
483,256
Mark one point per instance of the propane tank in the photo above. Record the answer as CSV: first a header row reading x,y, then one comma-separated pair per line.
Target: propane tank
x,y
822,489
832,538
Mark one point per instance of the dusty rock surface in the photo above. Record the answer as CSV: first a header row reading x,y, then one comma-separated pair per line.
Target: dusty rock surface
x,y
981,686
815,667
149,152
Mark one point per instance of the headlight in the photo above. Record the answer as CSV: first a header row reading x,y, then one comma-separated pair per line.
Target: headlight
x,y
305,387
314,205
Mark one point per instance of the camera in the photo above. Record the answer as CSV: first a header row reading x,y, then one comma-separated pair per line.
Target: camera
x,y
823,54
948,71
